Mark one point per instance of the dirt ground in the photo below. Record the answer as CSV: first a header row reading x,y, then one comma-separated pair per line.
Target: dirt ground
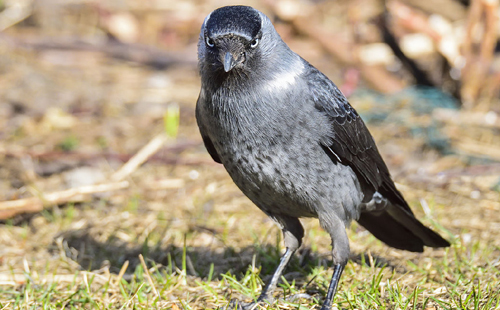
x,y
79,98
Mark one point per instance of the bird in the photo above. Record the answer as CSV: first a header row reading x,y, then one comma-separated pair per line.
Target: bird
x,y
293,144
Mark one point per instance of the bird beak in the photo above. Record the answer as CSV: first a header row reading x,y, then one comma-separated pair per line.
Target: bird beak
x,y
229,62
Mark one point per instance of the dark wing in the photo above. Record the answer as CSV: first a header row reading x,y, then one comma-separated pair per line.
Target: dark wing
x,y
211,149
206,140
352,144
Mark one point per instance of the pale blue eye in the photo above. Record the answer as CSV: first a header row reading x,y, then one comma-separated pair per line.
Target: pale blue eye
x,y
209,42
254,43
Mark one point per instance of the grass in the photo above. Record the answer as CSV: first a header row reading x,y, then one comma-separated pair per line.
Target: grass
x,y
186,275
205,245
381,288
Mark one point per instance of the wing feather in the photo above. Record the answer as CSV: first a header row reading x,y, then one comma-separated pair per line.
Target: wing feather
x,y
351,141
206,139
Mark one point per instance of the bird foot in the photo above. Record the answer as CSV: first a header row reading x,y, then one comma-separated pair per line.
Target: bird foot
x,y
235,304
239,305
295,297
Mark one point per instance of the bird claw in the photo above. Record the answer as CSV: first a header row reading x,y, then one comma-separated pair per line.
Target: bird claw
x,y
235,304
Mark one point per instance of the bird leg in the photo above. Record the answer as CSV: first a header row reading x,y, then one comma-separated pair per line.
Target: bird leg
x,y
340,253
266,294
332,288
271,285
293,232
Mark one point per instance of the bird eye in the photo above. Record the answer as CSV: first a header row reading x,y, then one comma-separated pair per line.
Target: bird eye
x,y
210,42
254,43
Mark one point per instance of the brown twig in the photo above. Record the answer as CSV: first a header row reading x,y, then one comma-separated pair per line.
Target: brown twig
x,y
140,157
142,54
37,204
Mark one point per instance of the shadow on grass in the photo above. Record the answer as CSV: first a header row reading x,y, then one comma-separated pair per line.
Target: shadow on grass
x,y
82,247
92,254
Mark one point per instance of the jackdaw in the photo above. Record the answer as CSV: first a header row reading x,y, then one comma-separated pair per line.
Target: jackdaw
x,y
293,144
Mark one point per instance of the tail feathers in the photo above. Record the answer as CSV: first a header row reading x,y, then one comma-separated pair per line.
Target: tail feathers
x,y
428,236
400,229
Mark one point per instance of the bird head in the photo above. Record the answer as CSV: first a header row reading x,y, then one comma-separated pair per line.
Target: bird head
x,y
234,38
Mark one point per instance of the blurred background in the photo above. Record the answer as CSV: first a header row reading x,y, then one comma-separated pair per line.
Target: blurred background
x,y
85,85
